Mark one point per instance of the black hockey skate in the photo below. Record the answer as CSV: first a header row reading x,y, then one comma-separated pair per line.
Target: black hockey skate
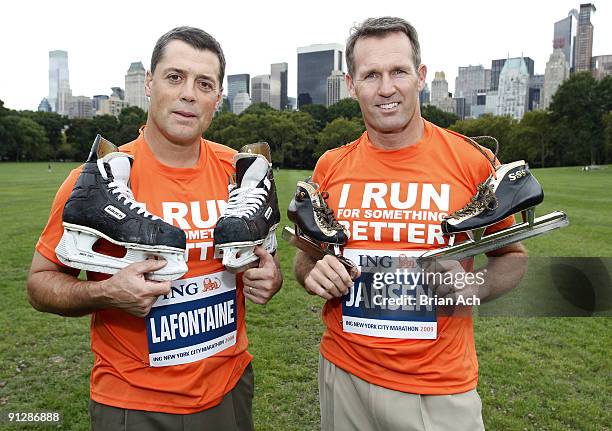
x,y
317,232
102,206
252,215
511,190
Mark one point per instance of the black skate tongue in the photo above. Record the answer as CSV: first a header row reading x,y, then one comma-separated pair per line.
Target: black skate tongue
x,y
251,170
119,165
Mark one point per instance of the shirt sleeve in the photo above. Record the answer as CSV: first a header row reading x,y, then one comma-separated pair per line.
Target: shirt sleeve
x,y
53,231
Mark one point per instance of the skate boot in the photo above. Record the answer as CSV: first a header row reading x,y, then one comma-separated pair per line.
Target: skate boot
x,y
102,206
511,190
252,215
317,232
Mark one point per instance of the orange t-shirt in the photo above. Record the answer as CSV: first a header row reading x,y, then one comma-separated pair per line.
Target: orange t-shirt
x,y
392,202
192,348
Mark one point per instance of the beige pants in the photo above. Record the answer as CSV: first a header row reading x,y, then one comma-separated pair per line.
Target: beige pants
x,y
350,403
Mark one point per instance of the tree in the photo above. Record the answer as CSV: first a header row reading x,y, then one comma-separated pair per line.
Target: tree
x,y
339,132
318,112
54,125
131,119
499,127
259,108
437,116
21,138
346,108
532,138
576,115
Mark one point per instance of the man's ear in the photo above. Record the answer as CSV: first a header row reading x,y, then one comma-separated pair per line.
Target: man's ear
x,y
148,83
422,71
348,79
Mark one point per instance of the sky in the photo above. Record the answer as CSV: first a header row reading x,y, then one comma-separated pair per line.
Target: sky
x,y
102,38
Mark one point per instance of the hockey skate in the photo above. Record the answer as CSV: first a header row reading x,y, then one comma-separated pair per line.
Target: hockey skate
x,y
317,232
102,206
252,215
510,190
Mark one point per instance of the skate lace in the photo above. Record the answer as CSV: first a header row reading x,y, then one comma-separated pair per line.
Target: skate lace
x,y
126,196
245,201
325,214
484,198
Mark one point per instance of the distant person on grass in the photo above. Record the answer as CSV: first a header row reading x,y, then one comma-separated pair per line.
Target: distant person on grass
x,y
206,386
390,187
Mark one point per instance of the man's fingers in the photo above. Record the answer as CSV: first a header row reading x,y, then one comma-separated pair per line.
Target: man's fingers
x,y
315,289
340,270
265,259
328,284
148,265
157,288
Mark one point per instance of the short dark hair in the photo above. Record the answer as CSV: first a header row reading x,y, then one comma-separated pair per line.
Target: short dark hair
x,y
193,37
378,27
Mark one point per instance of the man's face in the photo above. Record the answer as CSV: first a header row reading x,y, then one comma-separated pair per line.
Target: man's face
x,y
184,92
386,82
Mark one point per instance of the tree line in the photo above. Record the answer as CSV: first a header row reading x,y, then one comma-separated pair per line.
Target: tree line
x,y
575,130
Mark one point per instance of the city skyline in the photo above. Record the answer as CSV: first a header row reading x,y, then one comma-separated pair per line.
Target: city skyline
x,y
492,36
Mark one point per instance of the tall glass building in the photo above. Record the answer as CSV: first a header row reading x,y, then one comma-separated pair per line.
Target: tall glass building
x,y
565,37
59,82
237,84
315,64
278,86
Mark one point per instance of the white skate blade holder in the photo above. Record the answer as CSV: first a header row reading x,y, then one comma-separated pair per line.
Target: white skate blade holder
x,y
75,249
479,243
239,256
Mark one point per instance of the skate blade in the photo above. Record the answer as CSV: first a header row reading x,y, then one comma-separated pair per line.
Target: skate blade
x,y
529,228
238,257
315,251
75,250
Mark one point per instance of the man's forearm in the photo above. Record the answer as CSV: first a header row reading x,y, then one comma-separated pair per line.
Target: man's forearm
x,y
302,265
503,273
60,293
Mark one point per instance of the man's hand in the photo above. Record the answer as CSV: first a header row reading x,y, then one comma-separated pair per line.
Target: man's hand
x,y
262,283
328,278
128,290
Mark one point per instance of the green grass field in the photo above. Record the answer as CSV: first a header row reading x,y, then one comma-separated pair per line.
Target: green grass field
x,y
535,373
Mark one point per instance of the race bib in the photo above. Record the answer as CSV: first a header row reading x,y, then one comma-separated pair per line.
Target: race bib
x,y
390,298
197,319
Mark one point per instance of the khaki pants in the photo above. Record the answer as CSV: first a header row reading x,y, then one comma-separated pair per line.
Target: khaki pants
x,y
234,413
350,403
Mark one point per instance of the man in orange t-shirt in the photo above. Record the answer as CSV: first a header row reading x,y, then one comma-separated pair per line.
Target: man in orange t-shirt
x,y
387,364
153,368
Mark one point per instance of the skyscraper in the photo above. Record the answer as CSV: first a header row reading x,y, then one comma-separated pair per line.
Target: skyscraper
x,y
134,86
498,65
602,66
237,84
278,85
565,36
584,38
315,64
241,102
439,93
81,107
556,72
536,90
260,89
44,106
59,82
470,80
424,95
513,91
336,87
